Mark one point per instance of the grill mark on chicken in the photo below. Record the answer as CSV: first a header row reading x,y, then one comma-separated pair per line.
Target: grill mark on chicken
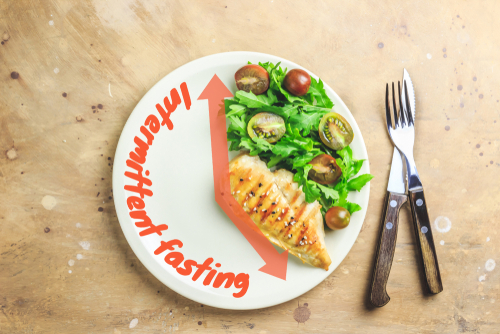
x,y
299,213
282,212
269,207
302,233
265,193
295,196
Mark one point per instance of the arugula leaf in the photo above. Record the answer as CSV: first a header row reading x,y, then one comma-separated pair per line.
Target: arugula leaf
x,y
346,155
262,144
312,191
274,161
305,121
236,109
238,124
293,142
228,103
310,188
234,139
256,101
255,145
284,149
329,192
267,65
299,176
351,207
359,182
286,111
317,109
318,92
303,159
357,166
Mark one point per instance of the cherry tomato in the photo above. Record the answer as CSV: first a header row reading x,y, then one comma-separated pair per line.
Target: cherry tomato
x,y
297,82
334,131
325,169
267,126
252,78
337,218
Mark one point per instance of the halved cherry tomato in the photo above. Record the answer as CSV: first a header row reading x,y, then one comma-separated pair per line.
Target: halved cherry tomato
x,y
252,78
267,126
335,131
325,169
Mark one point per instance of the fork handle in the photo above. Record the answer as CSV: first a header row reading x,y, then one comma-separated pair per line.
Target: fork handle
x,y
386,247
425,242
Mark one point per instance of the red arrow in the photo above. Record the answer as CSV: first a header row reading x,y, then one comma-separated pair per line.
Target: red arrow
x,y
276,263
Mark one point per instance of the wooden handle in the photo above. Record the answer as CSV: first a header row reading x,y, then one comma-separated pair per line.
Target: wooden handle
x,y
425,242
386,247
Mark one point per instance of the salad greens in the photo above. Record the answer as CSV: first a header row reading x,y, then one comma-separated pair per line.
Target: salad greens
x,y
301,141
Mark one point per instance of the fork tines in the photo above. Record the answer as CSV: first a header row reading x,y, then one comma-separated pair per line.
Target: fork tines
x,y
408,109
405,114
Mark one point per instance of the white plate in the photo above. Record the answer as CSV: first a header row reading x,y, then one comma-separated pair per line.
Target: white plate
x,y
180,165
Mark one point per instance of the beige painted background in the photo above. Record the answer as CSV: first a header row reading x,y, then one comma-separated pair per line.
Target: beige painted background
x,y
65,266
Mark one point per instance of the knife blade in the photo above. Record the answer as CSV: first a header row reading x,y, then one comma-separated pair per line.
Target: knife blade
x,y
420,216
395,198
397,182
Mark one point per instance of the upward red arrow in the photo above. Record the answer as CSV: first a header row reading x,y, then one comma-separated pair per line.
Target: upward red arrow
x,y
276,263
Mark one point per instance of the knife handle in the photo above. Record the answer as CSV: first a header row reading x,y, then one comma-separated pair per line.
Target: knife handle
x,y
385,248
425,242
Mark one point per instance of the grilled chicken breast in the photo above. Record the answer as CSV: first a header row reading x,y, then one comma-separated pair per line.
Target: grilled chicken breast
x,y
277,206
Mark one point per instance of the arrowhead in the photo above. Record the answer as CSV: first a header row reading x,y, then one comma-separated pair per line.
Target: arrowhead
x,y
215,90
276,265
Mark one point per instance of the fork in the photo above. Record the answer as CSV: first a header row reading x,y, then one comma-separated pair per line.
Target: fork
x,y
403,137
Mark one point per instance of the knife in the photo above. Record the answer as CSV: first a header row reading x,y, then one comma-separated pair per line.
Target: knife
x,y
420,216
394,199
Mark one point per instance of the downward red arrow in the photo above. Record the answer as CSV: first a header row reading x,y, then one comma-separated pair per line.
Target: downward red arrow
x,y
276,263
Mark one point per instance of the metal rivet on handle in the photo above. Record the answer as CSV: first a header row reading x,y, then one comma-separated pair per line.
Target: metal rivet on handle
x,y
388,225
394,203
419,202
424,229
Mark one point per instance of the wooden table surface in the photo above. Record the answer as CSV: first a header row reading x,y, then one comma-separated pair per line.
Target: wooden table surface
x,y
72,71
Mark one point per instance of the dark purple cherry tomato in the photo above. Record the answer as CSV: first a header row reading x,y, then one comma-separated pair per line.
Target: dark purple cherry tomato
x,y
337,218
267,126
252,78
297,82
335,131
325,169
